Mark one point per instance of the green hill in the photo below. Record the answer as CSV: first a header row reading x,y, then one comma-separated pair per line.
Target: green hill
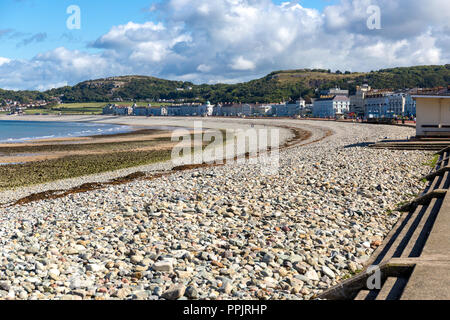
x,y
276,86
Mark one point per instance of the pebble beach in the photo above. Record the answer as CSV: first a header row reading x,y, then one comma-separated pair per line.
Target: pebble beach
x,y
221,232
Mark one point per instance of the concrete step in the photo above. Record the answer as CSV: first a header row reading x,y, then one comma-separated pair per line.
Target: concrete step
x,y
411,145
443,161
392,288
433,186
399,242
422,228
406,147
363,295
444,150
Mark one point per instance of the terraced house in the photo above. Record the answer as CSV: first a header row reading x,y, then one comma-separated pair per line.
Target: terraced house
x,y
114,109
376,105
401,104
204,110
234,110
287,110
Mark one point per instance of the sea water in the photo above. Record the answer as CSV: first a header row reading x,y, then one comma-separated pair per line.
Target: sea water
x,y
13,131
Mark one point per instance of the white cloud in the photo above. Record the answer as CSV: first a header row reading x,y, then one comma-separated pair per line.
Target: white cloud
x,y
240,63
204,68
59,66
236,40
49,86
4,60
123,36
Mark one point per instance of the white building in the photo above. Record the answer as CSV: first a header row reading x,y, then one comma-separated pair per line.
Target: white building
x,y
114,109
396,105
207,109
308,110
288,109
410,106
141,111
109,109
301,103
204,110
123,111
331,107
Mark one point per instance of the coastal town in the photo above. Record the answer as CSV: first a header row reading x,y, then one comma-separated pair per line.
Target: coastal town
x,y
224,159
334,103
12,106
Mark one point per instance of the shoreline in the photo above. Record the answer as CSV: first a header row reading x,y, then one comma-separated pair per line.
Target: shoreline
x,y
114,129
108,175
299,136
55,148
82,140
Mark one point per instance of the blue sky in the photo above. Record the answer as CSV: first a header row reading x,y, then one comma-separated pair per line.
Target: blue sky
x,y
207,41
31,17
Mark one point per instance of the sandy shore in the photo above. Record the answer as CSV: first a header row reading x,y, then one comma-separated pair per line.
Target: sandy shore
x,y
36,148
183,122
139,123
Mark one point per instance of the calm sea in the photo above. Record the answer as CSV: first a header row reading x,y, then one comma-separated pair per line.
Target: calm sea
x,y
19,131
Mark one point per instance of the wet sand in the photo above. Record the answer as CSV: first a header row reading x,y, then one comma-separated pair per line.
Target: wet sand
x,y
37,150
43,161
145,129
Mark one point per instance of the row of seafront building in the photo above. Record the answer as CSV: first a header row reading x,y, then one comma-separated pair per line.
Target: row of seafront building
x,y
174,110
205,110
372,103
333,103
366,103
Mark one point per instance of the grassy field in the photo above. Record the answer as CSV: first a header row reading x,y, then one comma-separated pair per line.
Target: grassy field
x,y
71,108
88,108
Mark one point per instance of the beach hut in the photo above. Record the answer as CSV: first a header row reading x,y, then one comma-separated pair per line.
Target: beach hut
x,y
433,112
